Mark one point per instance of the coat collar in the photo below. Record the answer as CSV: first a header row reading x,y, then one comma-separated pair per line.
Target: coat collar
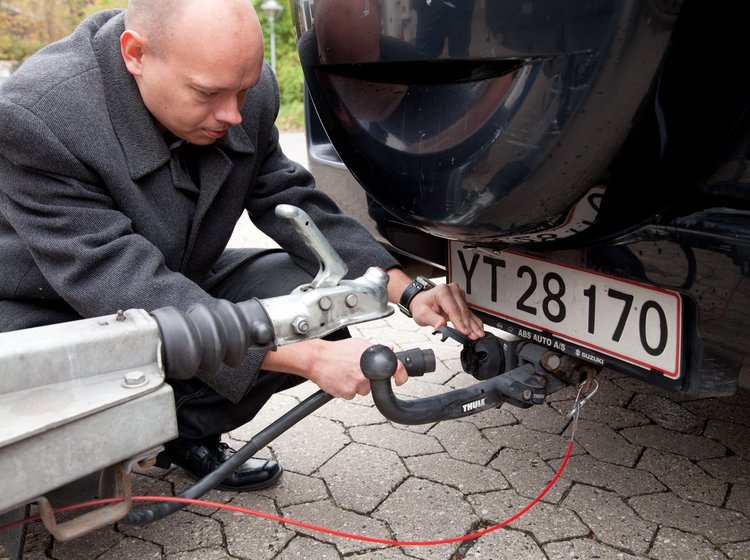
x,y
141,142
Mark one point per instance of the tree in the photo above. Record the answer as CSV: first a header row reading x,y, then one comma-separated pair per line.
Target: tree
x,y
27,25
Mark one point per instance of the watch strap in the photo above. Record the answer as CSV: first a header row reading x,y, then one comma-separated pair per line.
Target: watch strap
x,y
419,284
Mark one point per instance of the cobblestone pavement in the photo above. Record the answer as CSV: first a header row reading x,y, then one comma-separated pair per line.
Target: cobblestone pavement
x,y
653,475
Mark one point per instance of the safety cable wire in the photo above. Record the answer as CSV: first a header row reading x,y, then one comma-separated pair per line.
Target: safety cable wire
x,y
579,402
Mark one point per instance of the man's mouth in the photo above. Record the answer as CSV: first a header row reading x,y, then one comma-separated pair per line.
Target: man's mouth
x,y
215,133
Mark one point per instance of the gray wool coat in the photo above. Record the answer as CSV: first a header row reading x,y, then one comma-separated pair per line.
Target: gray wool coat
x,y
93,212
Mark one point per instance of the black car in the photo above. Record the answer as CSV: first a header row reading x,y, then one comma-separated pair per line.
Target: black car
x,y
580,168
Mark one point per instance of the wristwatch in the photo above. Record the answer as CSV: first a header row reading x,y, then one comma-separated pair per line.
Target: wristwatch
x,y
419,284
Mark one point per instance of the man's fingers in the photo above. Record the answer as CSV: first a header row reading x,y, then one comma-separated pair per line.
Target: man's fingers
x,y
452,302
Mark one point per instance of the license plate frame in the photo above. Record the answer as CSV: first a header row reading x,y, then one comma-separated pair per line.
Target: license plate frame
x,y
627,320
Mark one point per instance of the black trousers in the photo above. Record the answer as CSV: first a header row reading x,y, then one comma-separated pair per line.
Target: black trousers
x,y
203,414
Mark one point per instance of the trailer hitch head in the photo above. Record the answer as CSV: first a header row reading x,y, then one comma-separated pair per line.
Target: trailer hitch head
x,y
519,385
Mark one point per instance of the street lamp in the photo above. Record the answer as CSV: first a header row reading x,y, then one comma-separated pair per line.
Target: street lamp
x,y
272,9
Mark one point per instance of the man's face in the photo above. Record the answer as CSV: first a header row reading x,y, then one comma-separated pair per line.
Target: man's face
x,y
194,83
192,98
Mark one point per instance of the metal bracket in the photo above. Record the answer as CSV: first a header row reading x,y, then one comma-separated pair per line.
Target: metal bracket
x,y
91,520
332,267
114,482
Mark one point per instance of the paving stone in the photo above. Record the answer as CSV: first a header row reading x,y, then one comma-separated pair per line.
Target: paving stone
x,y
326,514
416,428
610,518
86,547
566,394
613,416
445,370
297,451
403,442
671,544
178,532
350,413
276,407
491,418
465,477
611,393
377,473
624,481
179,479
505,545
683,477
542,418
303,548
667,413
464,441
152,486
737,551
717,408
401,339
132,549
739,499
544,521
216,553
37,555
637,386
528,474
735,436
691,446
38,539
585,549
547,446
419,388
717,525
299,392
383,554
295,488
603,443
423,510
461,380
250,536
732,469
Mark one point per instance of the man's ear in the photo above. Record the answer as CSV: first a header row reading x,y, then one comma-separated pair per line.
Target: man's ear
x,y
131,47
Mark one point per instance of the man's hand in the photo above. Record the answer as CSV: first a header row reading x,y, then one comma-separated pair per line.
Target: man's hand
x,y
437,306
331,365
443,303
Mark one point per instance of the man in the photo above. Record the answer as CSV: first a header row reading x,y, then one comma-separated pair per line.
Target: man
x,y
128,151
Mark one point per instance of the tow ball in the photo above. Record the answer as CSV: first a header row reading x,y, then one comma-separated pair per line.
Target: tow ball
x,y
513,371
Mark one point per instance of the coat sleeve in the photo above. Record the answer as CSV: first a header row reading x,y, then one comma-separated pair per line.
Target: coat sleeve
x,y
82,244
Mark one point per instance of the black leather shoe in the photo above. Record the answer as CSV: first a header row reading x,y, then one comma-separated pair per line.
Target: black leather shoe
x,y
201,459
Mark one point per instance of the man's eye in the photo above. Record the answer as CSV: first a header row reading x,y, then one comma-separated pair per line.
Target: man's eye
x,y
206,93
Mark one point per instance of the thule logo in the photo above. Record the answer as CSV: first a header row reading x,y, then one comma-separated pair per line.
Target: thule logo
x,y
473,405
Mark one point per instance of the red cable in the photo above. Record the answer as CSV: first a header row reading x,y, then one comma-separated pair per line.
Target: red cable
x,y
286,521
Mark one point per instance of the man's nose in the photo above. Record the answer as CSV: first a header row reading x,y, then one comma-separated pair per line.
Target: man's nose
x,y
229,112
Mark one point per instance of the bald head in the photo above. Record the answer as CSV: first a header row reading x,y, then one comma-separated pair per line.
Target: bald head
x,y
163,22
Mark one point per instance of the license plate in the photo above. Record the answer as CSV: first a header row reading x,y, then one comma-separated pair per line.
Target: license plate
x,y
628,320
